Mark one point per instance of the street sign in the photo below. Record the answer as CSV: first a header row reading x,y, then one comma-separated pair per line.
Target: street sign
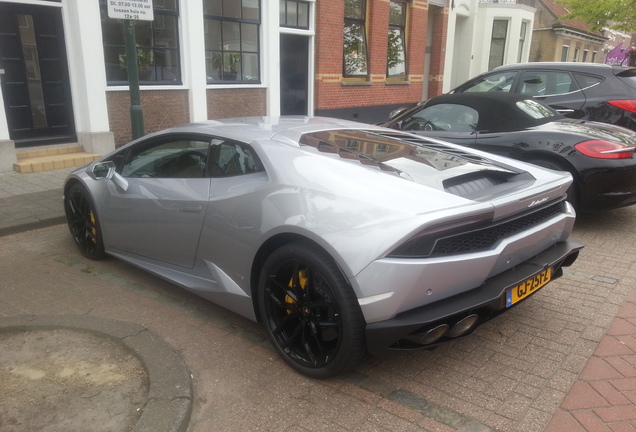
x,y
131,10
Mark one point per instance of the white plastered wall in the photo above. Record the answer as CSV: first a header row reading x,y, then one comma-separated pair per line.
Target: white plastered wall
x,y
84,47
469,35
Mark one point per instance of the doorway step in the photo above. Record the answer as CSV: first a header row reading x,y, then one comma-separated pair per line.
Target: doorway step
x,y
46,158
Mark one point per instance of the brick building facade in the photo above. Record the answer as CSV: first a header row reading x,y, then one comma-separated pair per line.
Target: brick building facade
x,y
206,59
371,97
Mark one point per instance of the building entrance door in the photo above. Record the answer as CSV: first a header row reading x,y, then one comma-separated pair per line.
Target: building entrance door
x,y
35,83
294,74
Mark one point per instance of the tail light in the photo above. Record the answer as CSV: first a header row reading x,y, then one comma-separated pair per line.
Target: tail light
x,y
422,244
628,105
604,150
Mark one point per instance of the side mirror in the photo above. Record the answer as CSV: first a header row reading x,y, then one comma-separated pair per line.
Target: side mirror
x,y
102,170
107,170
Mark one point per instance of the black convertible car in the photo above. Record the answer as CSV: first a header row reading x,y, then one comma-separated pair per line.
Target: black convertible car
x,y
599,156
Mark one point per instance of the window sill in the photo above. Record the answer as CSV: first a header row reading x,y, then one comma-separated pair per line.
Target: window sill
x,y
355,83
396,82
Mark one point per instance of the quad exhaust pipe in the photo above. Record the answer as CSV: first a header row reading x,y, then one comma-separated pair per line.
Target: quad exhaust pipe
x,y
460,328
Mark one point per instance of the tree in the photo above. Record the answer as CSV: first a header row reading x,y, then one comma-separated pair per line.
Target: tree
x,y
614,14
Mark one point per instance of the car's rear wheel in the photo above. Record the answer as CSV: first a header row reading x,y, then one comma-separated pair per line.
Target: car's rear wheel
x,y
310,312
83,222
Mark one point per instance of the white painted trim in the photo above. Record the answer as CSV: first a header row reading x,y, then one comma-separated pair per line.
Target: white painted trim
x,y
85,53
37,3
192,58
270,55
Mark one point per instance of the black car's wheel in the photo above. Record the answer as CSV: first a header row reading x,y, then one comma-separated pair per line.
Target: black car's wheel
x,y
83,222
310,312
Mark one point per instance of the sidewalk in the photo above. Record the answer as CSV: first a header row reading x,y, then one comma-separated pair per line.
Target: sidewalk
x,y
603,398
31,201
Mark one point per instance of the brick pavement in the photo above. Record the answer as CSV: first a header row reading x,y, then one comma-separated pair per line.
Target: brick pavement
x,y
604,396
565,360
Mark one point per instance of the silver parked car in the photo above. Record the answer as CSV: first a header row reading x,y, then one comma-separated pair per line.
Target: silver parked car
x,y
341,238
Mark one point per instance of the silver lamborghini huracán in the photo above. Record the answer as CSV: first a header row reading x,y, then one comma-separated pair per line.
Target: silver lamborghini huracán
x,y
340,238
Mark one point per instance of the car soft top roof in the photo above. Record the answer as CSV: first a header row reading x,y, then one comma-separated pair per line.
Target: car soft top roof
x,y
498,112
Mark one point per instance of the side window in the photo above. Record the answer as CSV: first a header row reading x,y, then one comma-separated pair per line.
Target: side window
x,y
231,159
586,81
492,83
547,83
443,117
174,158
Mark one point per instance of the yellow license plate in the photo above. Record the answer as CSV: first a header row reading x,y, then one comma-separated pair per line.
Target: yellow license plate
x,y
523,290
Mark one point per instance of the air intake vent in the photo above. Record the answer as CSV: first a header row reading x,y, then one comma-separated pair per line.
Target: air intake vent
x,y
486,238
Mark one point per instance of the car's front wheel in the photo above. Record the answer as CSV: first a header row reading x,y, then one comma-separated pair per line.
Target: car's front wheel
x,y
83,222
310,312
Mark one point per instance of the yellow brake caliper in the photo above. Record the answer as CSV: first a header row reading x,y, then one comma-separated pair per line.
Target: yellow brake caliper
x,y
302,281
93,230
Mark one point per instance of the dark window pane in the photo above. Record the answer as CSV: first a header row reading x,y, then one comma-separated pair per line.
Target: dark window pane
x,y
232,8
250,67
167,5
112,32
212,7
231,35
115,59
143,33
292,15
303,15
165,31
499,29
249,37
282,12
213,35
496,53
250,9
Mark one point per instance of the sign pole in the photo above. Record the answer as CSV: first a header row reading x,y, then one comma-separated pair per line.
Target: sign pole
x,y
136,111
129,12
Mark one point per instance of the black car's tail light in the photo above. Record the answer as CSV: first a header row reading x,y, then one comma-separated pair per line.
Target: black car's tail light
x,y
628,105
604,150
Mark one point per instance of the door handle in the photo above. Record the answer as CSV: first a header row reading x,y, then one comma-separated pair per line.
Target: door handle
x,y
190,208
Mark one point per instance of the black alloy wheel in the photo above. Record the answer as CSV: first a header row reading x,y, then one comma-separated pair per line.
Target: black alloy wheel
x,y
83,222
310,312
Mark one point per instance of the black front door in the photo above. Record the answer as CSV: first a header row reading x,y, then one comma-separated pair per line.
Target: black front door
x,y
294,74
35,84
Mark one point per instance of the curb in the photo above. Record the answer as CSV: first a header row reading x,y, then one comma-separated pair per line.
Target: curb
x,y
30,226
170,393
